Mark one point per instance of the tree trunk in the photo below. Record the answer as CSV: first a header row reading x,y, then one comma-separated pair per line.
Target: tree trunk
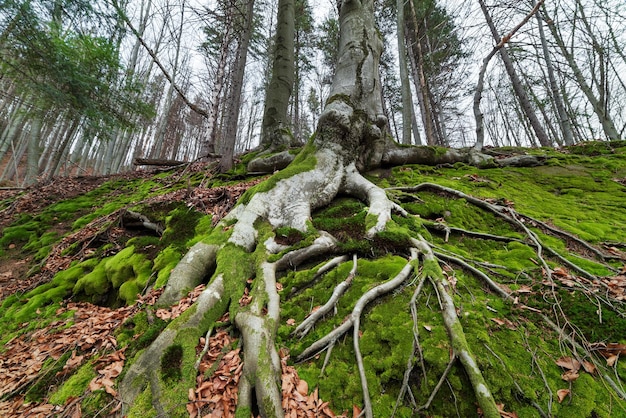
x,y
605,119
274,133
405,86
564,123
419,76
32,166
527,108
56,159
234,95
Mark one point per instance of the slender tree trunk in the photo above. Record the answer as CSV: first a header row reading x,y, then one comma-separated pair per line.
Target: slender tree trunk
x,y
605,119
564,123
208,146
419,77
157,151
274,133
61,151
32,164
13,129
521,94
234,95
405,86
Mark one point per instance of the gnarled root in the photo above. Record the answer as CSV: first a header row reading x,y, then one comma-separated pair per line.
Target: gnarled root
x,y
262,364
149,364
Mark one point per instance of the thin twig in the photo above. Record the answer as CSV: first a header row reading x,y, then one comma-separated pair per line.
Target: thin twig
x,y
442,379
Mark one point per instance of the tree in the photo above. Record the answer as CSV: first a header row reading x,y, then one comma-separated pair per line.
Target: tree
x,y
349,136
275,133
521,94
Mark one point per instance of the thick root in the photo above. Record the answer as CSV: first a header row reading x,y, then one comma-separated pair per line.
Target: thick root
x,y
148,365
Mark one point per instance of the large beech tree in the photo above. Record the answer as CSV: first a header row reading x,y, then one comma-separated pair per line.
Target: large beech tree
x,y
351,136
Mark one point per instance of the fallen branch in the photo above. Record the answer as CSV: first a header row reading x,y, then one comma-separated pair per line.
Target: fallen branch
x,y
158,162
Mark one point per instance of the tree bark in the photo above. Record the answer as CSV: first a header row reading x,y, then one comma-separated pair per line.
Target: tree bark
x,y
234,94
525,103
274,133
405,86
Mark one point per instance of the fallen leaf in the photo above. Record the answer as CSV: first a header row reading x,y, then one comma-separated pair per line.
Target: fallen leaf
x,y
568,363
589,367
303,387
570,376
561,394
610,361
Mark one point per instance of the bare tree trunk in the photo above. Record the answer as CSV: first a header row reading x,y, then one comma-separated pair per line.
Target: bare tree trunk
x,y
56,161
419,78
525,103
32,165
234,95
564,123
274,134
405,86
157,150
596,103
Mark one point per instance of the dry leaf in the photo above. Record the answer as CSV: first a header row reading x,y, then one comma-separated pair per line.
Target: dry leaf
x,y
569,363
610,361
570,376
561,394
589,367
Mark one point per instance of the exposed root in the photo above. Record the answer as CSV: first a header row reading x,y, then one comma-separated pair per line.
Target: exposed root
x,y
306,325
353,321
363,301
262,367
455,331
323,245
442,379
148,365
331,264
380,206
189,272
492,285
416,347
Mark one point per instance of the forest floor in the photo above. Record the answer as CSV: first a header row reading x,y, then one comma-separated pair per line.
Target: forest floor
x,y
62,350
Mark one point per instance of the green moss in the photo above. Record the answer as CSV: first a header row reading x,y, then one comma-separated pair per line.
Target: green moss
x,y
142,407
94,283
74,386
164,263
171,363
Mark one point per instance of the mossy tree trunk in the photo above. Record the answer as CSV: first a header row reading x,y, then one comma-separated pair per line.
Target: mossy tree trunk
x,y
274,133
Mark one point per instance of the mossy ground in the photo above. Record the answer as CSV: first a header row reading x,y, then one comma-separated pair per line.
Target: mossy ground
x,y
580,191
